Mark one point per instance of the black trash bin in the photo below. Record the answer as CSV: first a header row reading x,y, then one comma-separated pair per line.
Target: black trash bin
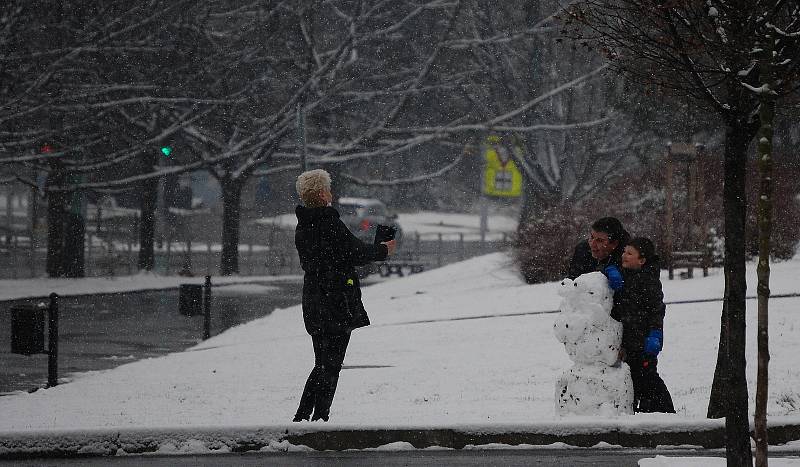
x,y
191,299
27,329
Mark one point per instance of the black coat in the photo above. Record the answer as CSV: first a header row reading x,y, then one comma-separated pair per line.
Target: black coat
x,y
329,253
583,262
639,306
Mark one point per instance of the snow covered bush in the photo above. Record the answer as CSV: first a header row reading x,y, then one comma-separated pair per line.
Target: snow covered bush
x,y
544,245
640,204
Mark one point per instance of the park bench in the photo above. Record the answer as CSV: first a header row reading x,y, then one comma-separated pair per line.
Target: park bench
x,y
689,260
396,267
12,241
398,264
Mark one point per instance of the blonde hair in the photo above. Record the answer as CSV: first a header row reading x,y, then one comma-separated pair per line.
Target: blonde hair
x,y
309,184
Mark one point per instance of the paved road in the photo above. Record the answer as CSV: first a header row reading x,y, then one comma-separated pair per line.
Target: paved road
x,y
105,331
481,458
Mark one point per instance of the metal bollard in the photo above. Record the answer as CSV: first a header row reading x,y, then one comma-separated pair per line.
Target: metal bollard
x,y
52,342
439,246
207,309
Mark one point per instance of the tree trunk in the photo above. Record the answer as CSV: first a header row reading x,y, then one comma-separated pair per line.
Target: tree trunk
x,y
716,403
74,243
231,213
147,222
729,389
536,199
529,202
766,117
56,204
52,37
9,209
73,252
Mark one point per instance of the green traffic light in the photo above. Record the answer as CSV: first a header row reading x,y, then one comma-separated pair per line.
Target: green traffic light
x,y
166,150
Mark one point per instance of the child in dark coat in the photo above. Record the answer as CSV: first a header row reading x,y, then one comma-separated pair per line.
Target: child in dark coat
x,y
639,306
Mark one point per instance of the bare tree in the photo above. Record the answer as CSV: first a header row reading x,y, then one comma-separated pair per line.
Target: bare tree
x,y
80,82
779,37
704,50
552,103
331,63
567,135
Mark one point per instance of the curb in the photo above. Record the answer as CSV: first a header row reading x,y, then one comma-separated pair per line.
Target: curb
x,y
185,440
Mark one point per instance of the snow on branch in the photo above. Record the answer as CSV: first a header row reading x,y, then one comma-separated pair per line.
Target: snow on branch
x,y
399,24
506,128
416,83
389,148
541,27
128,181
32,157
539,99
405,181
498,39
278,169
142,100
781,32
763,89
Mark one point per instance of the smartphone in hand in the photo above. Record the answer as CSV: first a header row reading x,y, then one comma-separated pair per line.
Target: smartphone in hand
x,y
384,233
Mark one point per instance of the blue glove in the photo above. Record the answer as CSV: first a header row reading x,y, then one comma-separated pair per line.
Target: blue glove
x,y
653,342
614,276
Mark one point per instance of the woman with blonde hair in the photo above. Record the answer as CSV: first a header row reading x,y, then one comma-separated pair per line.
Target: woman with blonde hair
x,y
332,305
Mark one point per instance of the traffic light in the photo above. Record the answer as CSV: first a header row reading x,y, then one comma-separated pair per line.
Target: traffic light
x,y
166,150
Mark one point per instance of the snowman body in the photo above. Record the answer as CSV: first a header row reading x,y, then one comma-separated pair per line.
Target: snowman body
x,y
598,383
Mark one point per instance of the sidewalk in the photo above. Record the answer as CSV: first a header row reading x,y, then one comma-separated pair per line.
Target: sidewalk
x,y
23,289
455,356
319,436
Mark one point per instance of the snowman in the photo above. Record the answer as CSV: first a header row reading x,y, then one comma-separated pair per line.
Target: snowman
x,y
598,383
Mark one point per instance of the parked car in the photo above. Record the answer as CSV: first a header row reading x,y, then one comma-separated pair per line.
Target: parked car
x,y
362,216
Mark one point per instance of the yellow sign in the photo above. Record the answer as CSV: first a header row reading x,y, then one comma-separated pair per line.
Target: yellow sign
x,y
501,176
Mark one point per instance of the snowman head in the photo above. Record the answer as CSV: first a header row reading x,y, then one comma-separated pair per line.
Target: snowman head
x,y
592,290
566,288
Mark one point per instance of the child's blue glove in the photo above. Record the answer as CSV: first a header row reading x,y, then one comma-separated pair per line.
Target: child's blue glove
x,y
614,276
653,342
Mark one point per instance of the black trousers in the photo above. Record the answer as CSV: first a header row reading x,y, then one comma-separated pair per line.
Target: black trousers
x,y
320,387
650,394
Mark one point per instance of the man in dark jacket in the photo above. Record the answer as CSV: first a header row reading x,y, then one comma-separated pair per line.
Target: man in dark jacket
x,y
332,305
639,306
601,252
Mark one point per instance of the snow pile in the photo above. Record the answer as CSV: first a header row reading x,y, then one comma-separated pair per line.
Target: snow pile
x,y
190,446
145,441
665,461
597,383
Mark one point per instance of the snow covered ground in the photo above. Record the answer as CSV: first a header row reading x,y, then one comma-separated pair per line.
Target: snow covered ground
x,y
465,345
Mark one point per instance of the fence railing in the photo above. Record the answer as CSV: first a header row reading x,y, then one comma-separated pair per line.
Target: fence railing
x,y
111,249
